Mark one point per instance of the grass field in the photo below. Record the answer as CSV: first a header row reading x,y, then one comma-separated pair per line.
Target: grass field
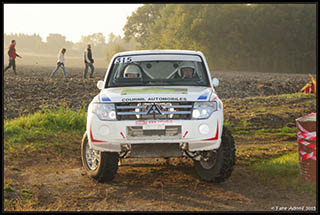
x,y
284,170
31,132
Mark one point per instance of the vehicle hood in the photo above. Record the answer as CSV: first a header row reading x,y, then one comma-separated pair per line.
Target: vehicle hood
x,y
155,94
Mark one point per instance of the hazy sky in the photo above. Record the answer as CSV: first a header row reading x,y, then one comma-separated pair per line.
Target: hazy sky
x,y
70,20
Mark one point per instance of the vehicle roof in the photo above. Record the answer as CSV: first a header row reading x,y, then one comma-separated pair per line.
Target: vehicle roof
x,y
159,51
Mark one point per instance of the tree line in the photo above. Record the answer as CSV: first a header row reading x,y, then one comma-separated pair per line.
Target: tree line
x,y
101,47
240,37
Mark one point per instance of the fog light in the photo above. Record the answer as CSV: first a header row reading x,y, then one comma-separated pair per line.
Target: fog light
x,y
204,129
104,130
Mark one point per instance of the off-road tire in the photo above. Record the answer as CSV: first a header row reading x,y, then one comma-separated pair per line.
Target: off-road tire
x,y
224,163
107,166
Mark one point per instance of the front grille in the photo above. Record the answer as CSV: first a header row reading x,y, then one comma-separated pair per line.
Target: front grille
x,y
170,132
143,111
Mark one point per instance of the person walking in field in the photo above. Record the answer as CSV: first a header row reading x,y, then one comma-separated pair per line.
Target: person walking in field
x,y
60,63
88,60
12,56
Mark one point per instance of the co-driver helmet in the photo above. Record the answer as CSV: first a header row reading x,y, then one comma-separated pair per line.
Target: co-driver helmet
x,y
132,69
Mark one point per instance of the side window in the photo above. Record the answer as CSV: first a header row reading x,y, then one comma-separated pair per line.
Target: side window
x,y
113,74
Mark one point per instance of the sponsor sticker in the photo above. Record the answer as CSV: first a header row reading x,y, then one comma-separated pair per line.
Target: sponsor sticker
x,y
153,99
154,127
150,122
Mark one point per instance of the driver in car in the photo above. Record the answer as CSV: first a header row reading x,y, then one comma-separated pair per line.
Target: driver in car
x,y
187,71
132,71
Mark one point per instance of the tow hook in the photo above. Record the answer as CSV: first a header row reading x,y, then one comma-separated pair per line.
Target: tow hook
x,y
125,151
186,153
184,146
197,155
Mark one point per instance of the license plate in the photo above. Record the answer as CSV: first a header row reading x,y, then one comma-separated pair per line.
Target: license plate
x,y
154,127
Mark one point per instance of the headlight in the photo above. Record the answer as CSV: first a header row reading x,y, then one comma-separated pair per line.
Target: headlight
x,y
104,111
203,110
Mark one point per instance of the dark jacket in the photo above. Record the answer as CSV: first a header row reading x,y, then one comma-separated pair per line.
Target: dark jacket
x,y
88,56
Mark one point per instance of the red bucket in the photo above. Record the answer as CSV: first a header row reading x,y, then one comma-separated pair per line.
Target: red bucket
x,y
307,139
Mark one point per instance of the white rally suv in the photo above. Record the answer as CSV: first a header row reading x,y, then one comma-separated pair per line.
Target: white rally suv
x,y
157,103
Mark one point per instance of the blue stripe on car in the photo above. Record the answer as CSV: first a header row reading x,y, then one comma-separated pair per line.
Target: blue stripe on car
x,y
105,99
203,96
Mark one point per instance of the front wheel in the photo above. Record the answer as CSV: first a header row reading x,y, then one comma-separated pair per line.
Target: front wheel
x,y
218,165
101,166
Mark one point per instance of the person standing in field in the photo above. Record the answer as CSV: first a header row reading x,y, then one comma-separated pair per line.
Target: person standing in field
x,y
60,63
88,60
12,56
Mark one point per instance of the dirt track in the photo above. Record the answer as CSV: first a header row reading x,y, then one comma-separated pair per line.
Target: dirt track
x,y
58,181
146,185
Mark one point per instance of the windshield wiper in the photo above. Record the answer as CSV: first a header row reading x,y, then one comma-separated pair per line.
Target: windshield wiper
x,y
187,82
128,84
156,82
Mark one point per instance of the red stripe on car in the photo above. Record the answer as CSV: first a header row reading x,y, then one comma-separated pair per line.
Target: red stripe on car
x,y
185,134
91,137
124,137
217,134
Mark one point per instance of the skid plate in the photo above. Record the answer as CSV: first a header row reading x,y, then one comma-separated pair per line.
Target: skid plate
x,y
154,150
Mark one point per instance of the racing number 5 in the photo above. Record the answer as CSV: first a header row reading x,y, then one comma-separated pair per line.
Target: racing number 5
x,y
128,59
124,60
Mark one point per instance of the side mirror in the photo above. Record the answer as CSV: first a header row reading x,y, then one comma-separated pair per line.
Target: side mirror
x,y
215,82
100,85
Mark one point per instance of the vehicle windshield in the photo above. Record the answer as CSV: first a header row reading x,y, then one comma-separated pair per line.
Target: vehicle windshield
x,y
157,70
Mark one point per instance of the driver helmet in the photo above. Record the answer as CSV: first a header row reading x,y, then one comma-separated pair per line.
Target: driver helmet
x,y
186,65
132,69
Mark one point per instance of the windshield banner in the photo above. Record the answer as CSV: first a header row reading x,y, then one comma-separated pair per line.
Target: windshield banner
x,y
137,58
153,91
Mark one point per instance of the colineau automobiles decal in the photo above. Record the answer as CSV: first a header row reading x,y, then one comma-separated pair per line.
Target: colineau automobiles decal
x,y
154,99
